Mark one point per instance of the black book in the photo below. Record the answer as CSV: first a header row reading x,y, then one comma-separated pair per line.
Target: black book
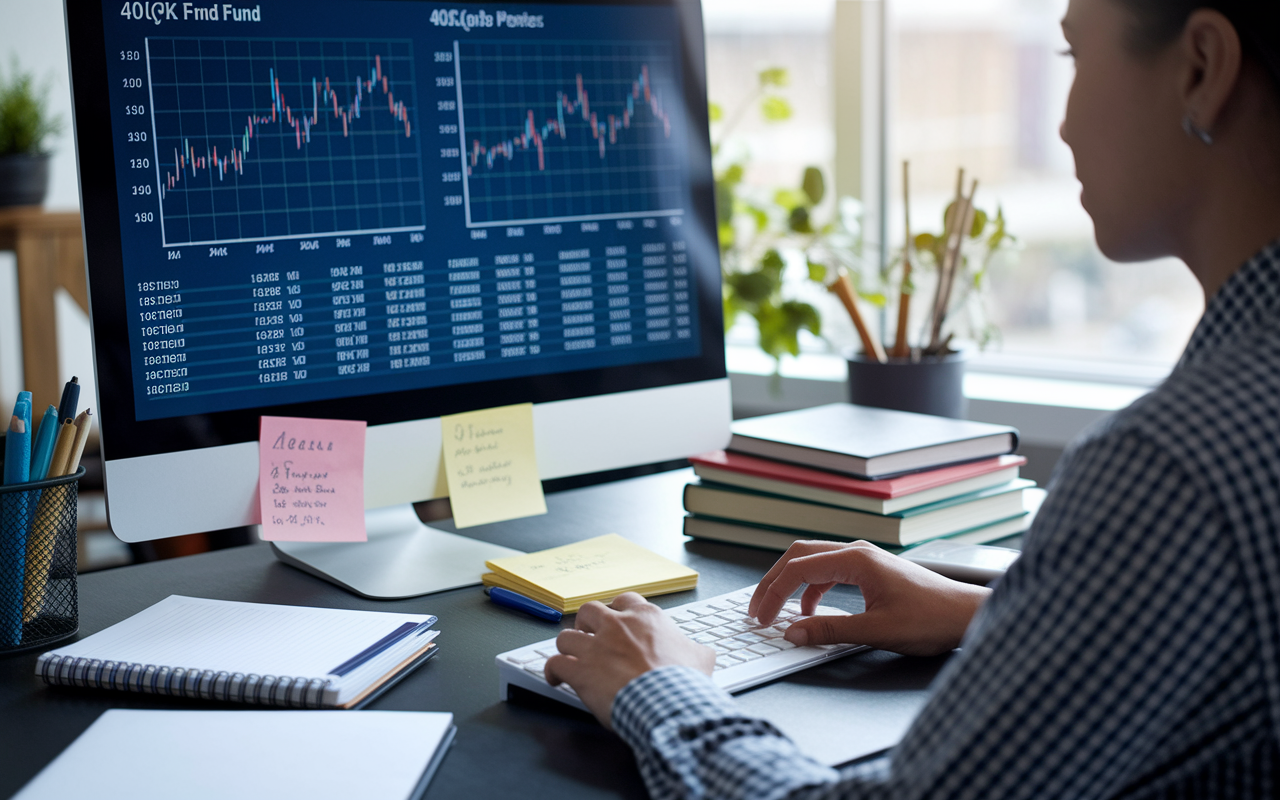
x,y
870,443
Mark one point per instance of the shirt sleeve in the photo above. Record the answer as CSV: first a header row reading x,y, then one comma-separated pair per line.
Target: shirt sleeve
x,y
1075,679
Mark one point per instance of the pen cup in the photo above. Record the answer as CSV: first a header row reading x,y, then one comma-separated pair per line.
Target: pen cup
x,y
39,602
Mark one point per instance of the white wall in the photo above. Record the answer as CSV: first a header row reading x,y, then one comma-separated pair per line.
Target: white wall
x,y
35,32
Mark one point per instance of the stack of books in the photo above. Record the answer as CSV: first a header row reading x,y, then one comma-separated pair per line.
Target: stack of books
x,y
845,472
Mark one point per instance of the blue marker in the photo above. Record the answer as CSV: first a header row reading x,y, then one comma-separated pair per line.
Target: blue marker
x,y
42,450
510,599
15,516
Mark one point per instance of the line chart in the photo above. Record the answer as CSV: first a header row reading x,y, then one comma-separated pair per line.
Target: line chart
x,y
263,139
565,131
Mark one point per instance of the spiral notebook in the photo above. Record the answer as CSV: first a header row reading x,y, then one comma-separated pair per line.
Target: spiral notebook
x,y
287,656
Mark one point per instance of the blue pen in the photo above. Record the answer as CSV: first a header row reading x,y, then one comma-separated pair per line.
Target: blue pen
x,y
42,450
15,516
510,599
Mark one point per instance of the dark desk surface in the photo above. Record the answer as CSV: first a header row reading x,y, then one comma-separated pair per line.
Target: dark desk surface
x,y
529,748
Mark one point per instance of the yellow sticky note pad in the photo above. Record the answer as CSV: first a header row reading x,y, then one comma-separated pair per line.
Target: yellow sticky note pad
x,y
596,569
491,465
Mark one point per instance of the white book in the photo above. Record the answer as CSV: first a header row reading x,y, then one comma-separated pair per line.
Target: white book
x,y
289,656
248,755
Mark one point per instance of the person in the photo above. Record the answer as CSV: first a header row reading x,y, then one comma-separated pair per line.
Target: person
x,y
1134,648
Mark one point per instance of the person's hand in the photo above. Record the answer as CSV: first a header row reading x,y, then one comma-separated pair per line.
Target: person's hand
x,y
611,646
909,609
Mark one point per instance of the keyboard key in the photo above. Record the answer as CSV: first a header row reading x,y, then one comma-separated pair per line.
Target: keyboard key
x,y
782,644
704,638
764,649
547,652
747,655
771,633
683,616
720,649
733,644
719,605
522,658
537,667
723,632
749,638
726,661
693,627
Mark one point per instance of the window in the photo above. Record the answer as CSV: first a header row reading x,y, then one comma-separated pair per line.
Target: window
x,y
978,84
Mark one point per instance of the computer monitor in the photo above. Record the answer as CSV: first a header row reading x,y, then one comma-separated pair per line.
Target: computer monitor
x,y
391,210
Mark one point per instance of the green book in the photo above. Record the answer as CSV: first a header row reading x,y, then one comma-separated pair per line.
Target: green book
x,y
943,518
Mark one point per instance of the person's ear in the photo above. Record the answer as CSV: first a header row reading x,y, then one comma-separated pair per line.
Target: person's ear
x,y
1212,58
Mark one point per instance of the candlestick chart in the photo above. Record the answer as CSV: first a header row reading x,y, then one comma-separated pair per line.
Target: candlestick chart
x,y
555,131
263,139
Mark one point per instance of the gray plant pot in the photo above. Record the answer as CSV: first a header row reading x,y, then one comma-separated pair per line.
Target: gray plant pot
x,y
930,386
24,180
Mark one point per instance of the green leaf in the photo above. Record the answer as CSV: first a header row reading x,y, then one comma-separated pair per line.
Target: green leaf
x,y
715,112
775,108
979,224
761,217
733,174
877,299
725,231
774,76
773,263
799,220
753,287
814,185
817,272
789,199
724,202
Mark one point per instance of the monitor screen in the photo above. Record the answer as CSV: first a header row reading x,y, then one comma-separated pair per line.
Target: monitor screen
x,y
388,210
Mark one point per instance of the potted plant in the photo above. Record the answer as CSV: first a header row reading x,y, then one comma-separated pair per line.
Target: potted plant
x,y
25,128
765,231
925,372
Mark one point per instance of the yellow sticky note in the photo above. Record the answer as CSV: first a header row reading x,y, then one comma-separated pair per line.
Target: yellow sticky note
x,y
491,465
596,569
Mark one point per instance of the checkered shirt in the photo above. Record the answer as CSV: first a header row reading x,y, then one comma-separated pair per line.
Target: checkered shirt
x,y
1132,651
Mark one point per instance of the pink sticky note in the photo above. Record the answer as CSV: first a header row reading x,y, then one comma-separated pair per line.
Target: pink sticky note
x,y
311,480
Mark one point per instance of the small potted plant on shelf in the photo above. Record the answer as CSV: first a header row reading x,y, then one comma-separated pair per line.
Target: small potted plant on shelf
x,y
763,232
25,129
925,373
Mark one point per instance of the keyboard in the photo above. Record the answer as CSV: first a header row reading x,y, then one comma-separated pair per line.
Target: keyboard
x,y
747,653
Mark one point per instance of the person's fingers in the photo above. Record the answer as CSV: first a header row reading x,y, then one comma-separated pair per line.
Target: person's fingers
x,y
864,628
627,600
823,567
562,669
591,615
573,642
812,597
796,550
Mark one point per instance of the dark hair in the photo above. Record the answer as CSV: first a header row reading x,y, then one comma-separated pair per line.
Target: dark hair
x,y
1158,22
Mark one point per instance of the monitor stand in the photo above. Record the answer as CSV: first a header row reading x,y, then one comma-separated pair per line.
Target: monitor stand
x,y
403,558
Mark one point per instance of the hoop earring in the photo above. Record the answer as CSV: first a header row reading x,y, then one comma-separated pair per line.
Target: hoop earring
x,y
1195,131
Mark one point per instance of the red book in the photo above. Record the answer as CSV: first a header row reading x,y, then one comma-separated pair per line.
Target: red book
x,y
884,496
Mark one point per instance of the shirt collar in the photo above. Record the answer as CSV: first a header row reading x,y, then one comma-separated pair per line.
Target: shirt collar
x,y
1244,302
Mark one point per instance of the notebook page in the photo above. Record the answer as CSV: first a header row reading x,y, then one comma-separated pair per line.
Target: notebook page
x,y
222,635
203,755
